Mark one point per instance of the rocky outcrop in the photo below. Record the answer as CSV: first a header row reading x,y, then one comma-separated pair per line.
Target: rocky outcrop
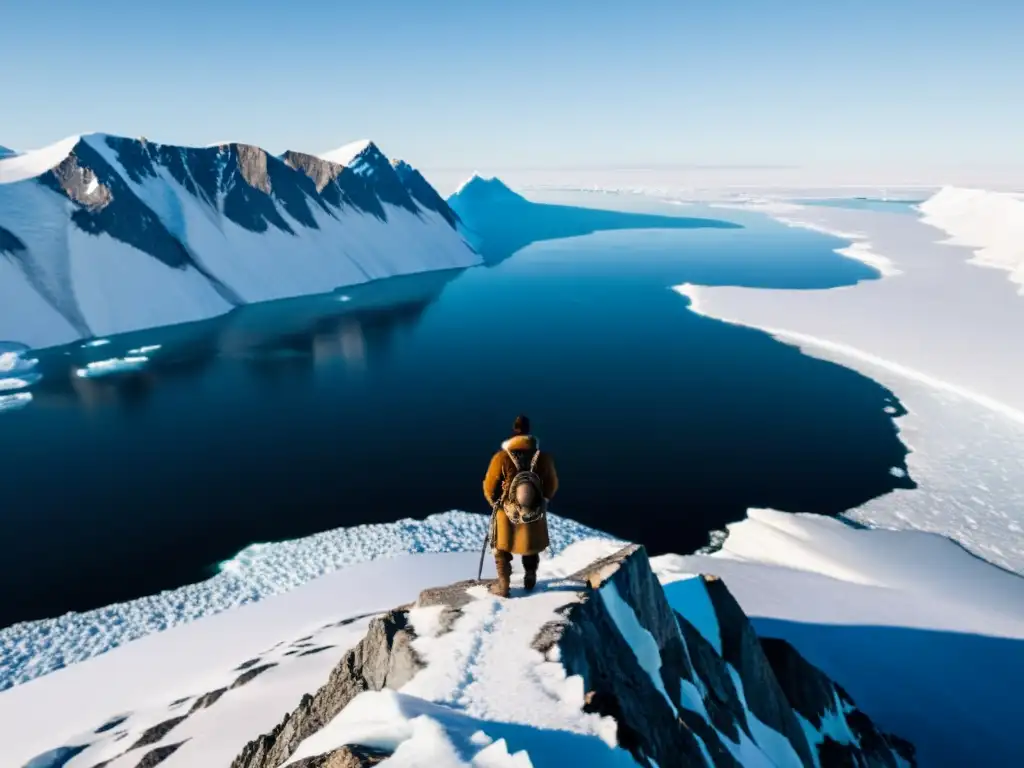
x,y
321,172
421,191
252,164
712,702
346,757
591,645
819,700
741,649
681,692
383,659
81,184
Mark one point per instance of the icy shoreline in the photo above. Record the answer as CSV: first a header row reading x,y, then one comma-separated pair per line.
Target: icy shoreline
x,y
34,648
951,327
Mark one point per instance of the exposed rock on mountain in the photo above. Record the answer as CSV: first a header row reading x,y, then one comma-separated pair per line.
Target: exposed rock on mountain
x,y
103,234
656,687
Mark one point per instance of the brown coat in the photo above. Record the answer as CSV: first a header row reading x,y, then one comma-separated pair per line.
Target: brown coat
x,y
531,538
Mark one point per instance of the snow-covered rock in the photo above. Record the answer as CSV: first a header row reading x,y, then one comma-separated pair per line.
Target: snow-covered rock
x,y
596,666
104,234
927,638
913,628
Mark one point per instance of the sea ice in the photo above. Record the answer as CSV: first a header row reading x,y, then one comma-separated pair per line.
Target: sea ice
x,y
34,648
941,335
19,382
12,358
12,403
100,368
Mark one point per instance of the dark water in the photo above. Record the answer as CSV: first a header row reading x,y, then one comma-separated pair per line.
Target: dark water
x,y
293,417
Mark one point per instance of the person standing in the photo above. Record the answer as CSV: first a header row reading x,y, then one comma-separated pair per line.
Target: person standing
x,y
520,481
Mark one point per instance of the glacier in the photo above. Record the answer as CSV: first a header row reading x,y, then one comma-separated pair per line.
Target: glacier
x,y
102,234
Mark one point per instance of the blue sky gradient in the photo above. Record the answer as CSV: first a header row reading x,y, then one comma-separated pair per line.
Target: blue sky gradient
x,y
534,83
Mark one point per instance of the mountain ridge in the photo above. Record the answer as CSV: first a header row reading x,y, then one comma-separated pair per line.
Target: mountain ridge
x,y
234,223
480,188
656,687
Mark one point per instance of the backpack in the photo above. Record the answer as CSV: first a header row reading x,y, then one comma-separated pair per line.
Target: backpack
x,y
522,499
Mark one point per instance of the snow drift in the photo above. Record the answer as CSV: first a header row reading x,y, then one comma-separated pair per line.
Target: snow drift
x,y
990,222
101,234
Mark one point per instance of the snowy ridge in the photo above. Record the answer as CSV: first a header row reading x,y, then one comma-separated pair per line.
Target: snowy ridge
x,y
479,188
16,167
105,234
990,222
504,676
346,153
464,678
34,648
472,179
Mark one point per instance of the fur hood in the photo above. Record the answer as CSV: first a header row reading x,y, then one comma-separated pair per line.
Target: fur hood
x,y
521,443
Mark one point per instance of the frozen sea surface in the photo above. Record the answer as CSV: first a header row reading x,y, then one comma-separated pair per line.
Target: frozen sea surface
x,y
33,648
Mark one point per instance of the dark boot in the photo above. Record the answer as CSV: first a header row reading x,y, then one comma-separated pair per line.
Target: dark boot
x,y
503,564
530,563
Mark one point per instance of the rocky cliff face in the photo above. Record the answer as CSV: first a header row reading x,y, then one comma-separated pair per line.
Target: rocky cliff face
x,y
422,192
680,690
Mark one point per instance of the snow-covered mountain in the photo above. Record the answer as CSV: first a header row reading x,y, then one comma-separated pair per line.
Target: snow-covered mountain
x,y
499,222
480,190
597,666
5,152
101,234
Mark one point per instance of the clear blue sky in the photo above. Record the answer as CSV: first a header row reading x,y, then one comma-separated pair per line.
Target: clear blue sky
x,y
530,83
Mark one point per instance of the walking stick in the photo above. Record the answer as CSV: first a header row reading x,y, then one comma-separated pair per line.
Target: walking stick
x,y
487,538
